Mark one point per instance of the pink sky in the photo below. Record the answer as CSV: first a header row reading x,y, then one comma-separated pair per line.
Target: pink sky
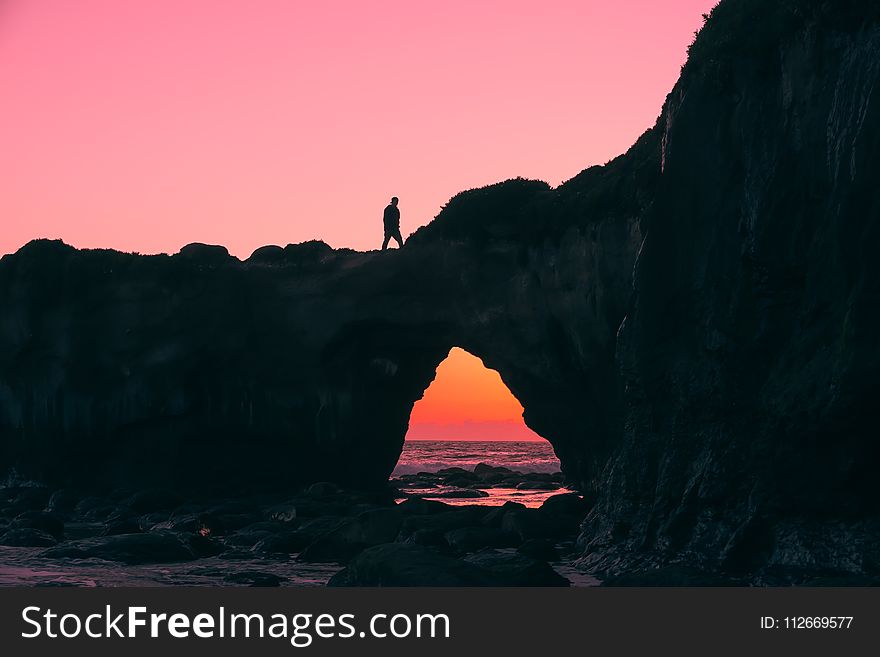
x,y
146,125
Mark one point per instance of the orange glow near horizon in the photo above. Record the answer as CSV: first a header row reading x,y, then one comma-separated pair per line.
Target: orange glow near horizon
x,y
468,401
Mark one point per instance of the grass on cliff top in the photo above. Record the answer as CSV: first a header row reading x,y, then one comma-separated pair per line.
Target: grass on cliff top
x,y
737,28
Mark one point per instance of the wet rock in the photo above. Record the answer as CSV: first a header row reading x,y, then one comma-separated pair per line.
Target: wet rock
x,y
449,472
537,523
516,569
570,504
104,514
406,564
285,512
202,524
248,538
492,474
540,549
493,518
123,512
444,521
461,482
538,485
121,526
295,541
315,527
154,547
27,537
405,485
63,501
527,523
236,554
280,544
561,524
41,520
88,504
471,539
366,530
31,498
147,521
490,479
428,538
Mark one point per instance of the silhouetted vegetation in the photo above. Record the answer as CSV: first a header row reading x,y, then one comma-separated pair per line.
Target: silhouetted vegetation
x,y
769,24
530,211
505,210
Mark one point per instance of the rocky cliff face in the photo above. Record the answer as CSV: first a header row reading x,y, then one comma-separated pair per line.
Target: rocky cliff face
x,y
749,354
692,326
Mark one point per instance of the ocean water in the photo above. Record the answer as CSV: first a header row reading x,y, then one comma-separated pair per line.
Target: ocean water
x,y
429,456
434,455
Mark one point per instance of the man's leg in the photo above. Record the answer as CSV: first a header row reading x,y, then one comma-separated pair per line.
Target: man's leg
x,y
385,243
398,237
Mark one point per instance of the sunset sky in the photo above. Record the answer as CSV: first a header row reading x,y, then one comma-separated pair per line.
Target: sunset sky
x,y
143,125
468,402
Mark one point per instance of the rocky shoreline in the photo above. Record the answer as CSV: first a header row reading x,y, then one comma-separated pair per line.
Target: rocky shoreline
x,y
481,485
353,538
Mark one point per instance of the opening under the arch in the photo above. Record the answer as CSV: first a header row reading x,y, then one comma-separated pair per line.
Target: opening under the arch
x,y
467,442
468,401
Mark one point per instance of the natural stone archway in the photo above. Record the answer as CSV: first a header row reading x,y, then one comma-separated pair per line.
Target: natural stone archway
x,y
301,363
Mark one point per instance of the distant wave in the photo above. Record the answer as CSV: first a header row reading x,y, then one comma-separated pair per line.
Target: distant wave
x,y
434,455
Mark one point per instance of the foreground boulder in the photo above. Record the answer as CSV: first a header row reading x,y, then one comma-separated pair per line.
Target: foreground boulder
x,y
470,539
286,542
567,504
445,521
40,520
407,564
540,549
517,569
154,547
26,537
367,529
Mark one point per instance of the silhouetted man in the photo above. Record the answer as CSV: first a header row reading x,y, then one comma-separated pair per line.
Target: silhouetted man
x,y
391,219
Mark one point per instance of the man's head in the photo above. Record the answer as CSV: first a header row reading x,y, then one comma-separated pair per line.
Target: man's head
x,y
393,200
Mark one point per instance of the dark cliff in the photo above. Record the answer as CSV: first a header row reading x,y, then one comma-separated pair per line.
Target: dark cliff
x,y
749,354
692,325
